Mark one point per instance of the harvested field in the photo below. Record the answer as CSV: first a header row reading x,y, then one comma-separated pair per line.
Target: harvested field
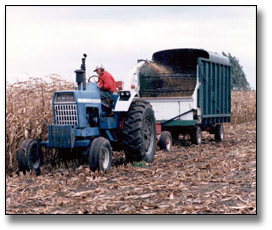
x,y
213,178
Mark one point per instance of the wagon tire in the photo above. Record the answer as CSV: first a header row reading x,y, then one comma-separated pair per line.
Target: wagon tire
x,y
139,132
28,157
165,141
196,136
100,155
219,133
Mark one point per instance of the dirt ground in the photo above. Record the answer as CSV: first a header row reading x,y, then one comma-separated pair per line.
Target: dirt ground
x,y
212,178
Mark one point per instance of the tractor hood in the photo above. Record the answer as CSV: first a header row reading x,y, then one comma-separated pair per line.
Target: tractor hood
x,y
90,95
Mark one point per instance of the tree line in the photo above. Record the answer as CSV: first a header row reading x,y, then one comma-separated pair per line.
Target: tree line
x,y
238,76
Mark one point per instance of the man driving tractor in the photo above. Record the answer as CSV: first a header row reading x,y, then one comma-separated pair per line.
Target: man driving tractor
x,y
106,83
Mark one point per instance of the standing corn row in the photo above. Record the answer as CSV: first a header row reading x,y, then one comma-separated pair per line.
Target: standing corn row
x,y
28,111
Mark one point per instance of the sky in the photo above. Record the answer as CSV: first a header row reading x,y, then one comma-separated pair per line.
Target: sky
x,y
44,40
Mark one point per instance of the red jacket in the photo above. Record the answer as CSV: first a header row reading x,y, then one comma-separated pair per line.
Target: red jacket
x,y
109,82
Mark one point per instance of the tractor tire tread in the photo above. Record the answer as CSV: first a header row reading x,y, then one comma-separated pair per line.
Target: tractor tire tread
x,y
132,133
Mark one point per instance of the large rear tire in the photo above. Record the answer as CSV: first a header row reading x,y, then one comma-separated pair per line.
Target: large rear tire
x,y
139,132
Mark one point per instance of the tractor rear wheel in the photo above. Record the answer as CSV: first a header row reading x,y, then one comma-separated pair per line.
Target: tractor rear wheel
x,y
100,155
139,132
29,157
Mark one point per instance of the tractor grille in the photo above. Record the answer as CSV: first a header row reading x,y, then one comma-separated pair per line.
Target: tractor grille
x,y
66,114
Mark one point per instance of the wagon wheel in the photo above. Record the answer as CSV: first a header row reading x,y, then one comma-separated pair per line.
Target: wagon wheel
x,y
219,132
165,141
196,136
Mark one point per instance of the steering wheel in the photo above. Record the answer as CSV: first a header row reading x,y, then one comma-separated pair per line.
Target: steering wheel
x,y
99,79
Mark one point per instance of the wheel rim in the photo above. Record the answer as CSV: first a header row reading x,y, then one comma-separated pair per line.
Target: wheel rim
x,y
199,138
36,163
221,133
168,144
35,158
105,158
148,135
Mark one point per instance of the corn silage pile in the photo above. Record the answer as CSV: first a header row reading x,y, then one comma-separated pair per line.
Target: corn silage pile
x,y
161,81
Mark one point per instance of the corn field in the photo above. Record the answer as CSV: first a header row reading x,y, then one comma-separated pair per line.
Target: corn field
x,y
29,110
243,107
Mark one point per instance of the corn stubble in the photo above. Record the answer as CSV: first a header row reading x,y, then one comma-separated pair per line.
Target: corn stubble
x,y
215,177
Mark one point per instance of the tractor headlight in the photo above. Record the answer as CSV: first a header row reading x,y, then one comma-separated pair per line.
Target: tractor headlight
x,y
125,95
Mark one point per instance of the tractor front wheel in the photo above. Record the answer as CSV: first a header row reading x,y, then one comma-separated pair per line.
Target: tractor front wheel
x,y
100,155
29,156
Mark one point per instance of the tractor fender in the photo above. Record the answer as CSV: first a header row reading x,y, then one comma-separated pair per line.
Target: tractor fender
x,y
123,105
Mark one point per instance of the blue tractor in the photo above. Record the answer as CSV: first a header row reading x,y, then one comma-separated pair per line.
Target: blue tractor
x,y
83,124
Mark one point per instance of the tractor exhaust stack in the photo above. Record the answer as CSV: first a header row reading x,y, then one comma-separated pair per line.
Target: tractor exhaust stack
x,y
81,75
